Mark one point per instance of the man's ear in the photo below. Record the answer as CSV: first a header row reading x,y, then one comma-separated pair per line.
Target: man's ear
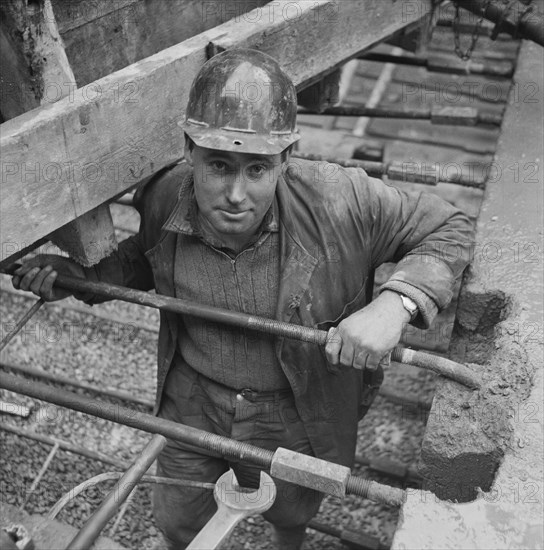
x,y
286,155
188,153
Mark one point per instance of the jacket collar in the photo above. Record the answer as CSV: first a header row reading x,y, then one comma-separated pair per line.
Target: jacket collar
x,y
297,264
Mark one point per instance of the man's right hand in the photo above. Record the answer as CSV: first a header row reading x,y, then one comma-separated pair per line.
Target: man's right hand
x,y
38,275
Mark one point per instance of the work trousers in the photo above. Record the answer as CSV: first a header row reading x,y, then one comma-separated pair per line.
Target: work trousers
x,y
268,420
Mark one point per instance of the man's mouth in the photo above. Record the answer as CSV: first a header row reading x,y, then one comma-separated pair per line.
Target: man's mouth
x,y
233,214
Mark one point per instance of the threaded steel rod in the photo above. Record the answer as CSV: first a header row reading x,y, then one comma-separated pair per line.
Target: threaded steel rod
x,y
376,112
442,366
449,67
122,415
377,492
529,24
397,170
216,444
477,116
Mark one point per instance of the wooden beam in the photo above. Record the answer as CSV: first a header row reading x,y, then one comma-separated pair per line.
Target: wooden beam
x,y
21,68
91,236
65,159
38,72
321,95
17,88
102,36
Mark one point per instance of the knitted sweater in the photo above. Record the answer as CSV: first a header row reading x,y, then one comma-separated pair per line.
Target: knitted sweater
x,y
231,356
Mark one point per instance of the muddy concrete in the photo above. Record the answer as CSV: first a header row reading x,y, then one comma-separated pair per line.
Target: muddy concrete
x,y
487,445
45,533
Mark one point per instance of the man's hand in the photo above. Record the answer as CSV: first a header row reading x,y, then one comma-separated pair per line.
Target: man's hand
x,y
38,275
363,339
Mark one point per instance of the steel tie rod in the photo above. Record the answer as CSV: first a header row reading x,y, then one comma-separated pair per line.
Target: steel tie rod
x,y
439,114
445,64
529,23
284,464
440,365
395,170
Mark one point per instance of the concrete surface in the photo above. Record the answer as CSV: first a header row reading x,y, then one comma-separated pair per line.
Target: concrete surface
x,y
500,322
48,534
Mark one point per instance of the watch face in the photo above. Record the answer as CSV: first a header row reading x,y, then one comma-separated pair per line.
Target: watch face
x,y
409,305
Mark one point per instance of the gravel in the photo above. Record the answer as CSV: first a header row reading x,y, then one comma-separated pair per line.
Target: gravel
x,y
108,354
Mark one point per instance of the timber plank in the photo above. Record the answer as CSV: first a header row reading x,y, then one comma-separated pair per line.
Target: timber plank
x,y
64,159
313,38
100,40
34,44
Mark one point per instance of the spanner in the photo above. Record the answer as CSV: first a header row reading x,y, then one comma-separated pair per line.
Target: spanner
x,y
234,503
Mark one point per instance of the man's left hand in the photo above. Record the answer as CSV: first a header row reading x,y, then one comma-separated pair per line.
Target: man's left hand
x,y
366,337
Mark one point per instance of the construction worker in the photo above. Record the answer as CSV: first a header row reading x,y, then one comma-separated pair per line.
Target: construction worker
x,y
240,225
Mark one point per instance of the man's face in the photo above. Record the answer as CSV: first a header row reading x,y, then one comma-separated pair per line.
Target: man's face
x,y
233,190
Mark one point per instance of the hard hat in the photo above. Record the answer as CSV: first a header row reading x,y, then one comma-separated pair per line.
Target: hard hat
x,y
241,100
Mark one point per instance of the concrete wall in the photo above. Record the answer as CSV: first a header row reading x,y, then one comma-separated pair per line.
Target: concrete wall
x,y
474,435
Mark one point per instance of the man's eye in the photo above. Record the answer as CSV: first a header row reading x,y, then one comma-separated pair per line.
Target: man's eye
x,y
218,165
257,170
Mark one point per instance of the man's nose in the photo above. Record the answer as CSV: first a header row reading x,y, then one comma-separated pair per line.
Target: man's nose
x,y
236,189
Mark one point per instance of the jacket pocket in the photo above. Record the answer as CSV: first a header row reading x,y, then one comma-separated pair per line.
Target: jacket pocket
x,y
371,382
352,306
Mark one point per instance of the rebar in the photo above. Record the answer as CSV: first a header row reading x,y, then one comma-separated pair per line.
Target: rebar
x,y
458,117
208,443
375,112
107,509
529,25
63,445
440,365
111,476
231,449
68,381
397,171
377,492
38,478
21,323
444,64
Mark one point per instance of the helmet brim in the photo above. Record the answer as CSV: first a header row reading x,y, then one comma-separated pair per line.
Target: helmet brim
x,y
240,142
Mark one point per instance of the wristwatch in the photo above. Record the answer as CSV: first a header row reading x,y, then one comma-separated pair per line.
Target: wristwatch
x,y
409,305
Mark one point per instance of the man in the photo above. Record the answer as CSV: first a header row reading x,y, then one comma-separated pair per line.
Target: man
x,y
242,226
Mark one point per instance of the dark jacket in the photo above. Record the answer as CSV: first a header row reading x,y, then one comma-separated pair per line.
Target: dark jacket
x,y
336,226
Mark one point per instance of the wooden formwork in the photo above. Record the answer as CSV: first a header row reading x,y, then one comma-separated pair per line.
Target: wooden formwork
x,y
64,159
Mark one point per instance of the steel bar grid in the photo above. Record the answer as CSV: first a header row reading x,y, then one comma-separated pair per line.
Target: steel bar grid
x,y
216,444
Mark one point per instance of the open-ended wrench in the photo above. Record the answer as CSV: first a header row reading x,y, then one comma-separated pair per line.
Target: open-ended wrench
x,y
234,503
